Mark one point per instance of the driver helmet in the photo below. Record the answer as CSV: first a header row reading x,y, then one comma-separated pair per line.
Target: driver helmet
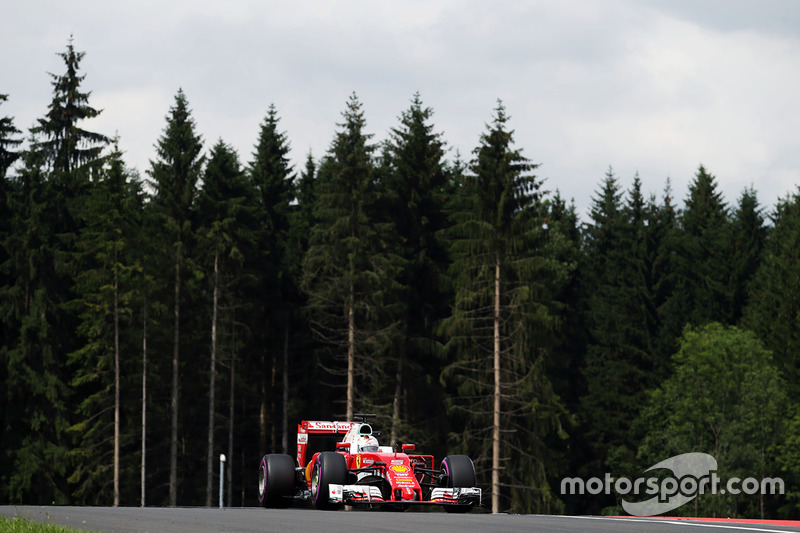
x,y
367,443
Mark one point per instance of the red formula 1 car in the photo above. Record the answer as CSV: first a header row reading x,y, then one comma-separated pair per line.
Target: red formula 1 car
x,y
362,473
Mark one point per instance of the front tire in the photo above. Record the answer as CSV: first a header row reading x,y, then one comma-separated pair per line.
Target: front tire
x,y
330,468
276,481
458,471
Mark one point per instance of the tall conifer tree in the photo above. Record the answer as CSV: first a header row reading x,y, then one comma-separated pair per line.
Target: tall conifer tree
x,y
773,309
347,269
416,181
272,177
506,277
704,253
106,292
47,219
608,367
227,218
623,322
35,444
748,237
8,155
174,174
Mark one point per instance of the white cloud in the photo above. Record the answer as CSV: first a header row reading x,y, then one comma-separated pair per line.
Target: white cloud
x,y
657,87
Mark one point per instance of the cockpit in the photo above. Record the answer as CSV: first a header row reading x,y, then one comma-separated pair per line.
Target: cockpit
x,y
366,442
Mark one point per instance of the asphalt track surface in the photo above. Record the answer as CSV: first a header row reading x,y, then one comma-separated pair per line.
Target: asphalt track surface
x,y
208,520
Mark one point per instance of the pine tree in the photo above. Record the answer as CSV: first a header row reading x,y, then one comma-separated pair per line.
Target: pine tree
x,y
568,345
35,445
8,155
773,309
705,254
627,277
506,278
174,175
302,217
610,370
47,218
272,177
106,292
748,236
348,269
416,182
227,228
663,237
72,152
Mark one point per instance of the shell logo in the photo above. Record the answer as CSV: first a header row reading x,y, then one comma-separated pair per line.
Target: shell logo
x,y
400,469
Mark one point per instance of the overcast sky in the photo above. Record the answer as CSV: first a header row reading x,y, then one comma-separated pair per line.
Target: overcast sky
x,y
654,87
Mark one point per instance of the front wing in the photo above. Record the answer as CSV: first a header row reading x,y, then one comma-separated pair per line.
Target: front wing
x,y
370,494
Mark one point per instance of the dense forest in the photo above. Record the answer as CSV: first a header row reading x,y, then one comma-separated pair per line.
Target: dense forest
x,y
151,322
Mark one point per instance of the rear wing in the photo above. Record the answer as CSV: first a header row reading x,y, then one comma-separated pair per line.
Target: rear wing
x,y
317,427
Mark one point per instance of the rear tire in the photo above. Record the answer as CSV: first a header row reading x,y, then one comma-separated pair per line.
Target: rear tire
x,y
330,468
459,472
276,481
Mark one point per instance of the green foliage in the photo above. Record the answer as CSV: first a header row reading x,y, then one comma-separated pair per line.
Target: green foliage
x,y
748,237
416,183
349,269
500,240
7,189
177,169
384,270
788,457
614,366
705,252
47,216
227,209
107,289
774,309
276,263
725,398
66,145
7,142
626,287
36,413
273,179
175,174
302,218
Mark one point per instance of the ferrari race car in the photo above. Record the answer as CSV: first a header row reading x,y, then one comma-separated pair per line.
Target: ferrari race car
x,y
361,472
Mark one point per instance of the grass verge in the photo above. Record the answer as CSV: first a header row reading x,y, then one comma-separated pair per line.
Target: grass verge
x,y
20,525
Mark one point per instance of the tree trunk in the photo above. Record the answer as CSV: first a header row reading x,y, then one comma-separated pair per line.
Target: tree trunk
x,y
144,399
398,392
351,352
285,413
229,472
173,451
496,424
273,386
262,415
212,385
116,383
